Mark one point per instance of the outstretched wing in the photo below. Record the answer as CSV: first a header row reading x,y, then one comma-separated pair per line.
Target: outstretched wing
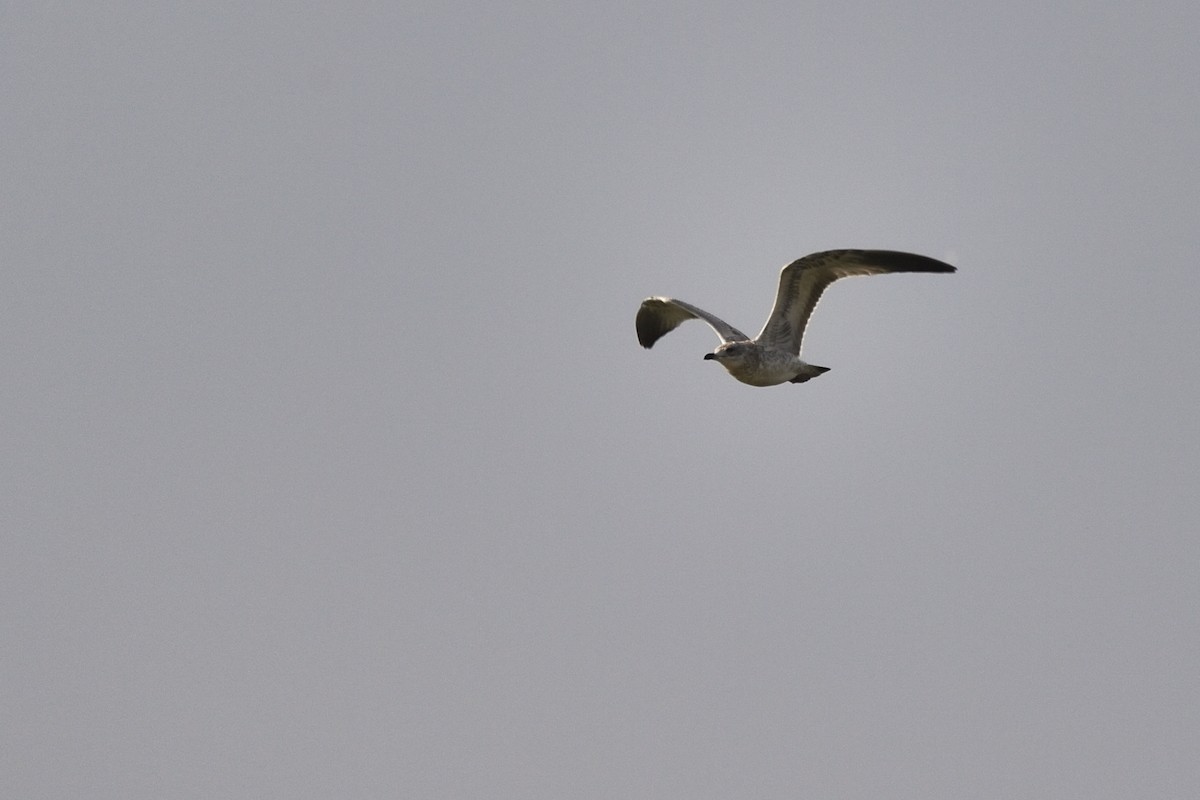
x,y
802,282
658,316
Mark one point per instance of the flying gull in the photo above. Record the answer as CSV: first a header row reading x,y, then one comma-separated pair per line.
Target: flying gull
x,y
773,356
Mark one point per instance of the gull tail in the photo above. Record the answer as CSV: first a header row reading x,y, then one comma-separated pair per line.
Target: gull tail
x,y
810,371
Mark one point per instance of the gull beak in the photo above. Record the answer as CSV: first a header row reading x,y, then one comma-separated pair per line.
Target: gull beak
x,y
709,356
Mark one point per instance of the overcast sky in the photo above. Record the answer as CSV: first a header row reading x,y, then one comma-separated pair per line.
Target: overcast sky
x,y
332,467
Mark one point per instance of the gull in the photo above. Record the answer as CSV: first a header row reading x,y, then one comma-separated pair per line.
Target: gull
x,y
773,357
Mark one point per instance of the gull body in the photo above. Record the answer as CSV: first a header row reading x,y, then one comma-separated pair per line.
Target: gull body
x,y
773,356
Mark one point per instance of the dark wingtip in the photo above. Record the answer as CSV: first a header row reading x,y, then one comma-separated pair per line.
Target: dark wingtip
x,y
910,262
649,327
647,333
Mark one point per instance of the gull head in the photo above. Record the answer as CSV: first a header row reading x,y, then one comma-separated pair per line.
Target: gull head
x,y
743,360
731,354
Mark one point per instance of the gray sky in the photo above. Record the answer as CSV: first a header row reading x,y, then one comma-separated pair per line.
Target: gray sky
x,y
333,468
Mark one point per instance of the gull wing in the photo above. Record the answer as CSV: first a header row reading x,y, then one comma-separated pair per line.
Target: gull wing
x,y
802,282
658,316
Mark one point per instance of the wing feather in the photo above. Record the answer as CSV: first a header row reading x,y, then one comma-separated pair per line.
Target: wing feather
x,y
658,316
802,282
